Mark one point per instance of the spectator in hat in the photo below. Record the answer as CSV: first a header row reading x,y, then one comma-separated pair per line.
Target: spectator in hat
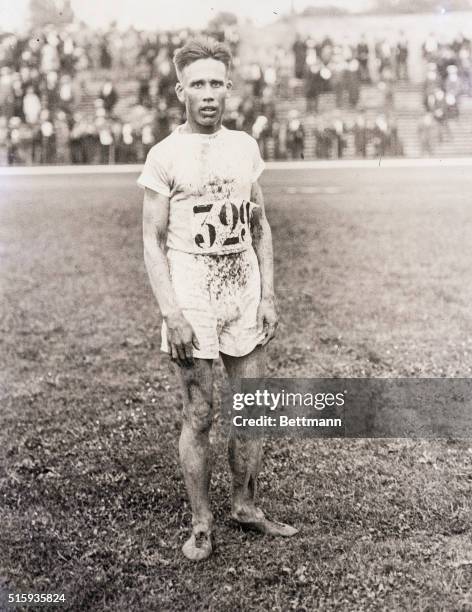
x,y
166,78
323,139
387,88
91,142
6,101
295,136
431,83
105,137
256,78
147,138
161,121
338,130
106,59
381,136
17,97
3,140
50,61
109,96
430,48
299,49
127,145
339,79
31,106
66,94
50,90
144,72
13,141
260,131
62,131
452,106
439,109
396,144
426,131
77,135
25,145
353,82
36,143
362,56
248,110
67,54
452,84
361,134
401,57
48,138
313,87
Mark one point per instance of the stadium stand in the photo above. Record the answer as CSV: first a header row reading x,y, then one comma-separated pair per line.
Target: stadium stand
x,y
78,96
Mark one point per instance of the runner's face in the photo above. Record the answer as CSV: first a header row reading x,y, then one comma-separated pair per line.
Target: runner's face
x,y
203,89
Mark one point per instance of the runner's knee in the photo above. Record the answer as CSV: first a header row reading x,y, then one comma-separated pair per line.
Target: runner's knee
x,y
198,410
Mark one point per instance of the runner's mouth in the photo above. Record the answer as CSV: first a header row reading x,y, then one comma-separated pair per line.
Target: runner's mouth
x,y
208,110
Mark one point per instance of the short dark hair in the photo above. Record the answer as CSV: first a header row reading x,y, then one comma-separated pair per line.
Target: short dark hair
x,y
202,47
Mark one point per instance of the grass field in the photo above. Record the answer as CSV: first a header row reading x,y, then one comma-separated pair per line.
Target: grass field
x,y
373,279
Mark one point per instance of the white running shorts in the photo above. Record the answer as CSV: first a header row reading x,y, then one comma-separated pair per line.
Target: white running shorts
x,y
219,296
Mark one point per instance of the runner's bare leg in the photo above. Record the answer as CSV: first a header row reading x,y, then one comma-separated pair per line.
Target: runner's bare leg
x,y
245,454
194,452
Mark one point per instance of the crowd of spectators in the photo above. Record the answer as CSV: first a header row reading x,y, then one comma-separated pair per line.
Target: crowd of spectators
x,y
327,66
43,76
450,57
315,68
327,136
448,77
319,68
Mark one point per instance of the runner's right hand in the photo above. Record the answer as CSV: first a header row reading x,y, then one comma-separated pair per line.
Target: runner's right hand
x,y
181,339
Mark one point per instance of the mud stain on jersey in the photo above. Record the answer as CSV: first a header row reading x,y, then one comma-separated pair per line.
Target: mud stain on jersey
x,y
219,187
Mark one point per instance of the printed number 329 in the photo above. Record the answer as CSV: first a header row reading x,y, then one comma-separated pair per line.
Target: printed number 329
x,y
228,217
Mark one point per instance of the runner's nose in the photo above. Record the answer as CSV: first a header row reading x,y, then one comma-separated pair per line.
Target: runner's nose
x,y
208,94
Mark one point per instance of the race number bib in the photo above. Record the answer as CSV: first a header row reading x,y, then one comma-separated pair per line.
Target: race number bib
x,y
222,226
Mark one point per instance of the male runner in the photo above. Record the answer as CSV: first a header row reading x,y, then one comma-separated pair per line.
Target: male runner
x,y
208,253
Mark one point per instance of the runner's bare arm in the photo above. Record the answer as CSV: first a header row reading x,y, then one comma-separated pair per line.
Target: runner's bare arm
x,y
155,223
262,242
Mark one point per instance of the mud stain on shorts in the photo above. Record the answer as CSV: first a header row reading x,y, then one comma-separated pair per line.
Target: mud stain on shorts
x,y
226,274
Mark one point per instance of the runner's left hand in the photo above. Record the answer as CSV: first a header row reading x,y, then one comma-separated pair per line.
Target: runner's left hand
x,y
267,319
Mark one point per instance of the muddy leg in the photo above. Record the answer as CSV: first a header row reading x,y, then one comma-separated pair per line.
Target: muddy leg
x,y
194,452
245,455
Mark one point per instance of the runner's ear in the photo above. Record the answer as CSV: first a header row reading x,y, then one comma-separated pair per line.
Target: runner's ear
x,y
179,90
